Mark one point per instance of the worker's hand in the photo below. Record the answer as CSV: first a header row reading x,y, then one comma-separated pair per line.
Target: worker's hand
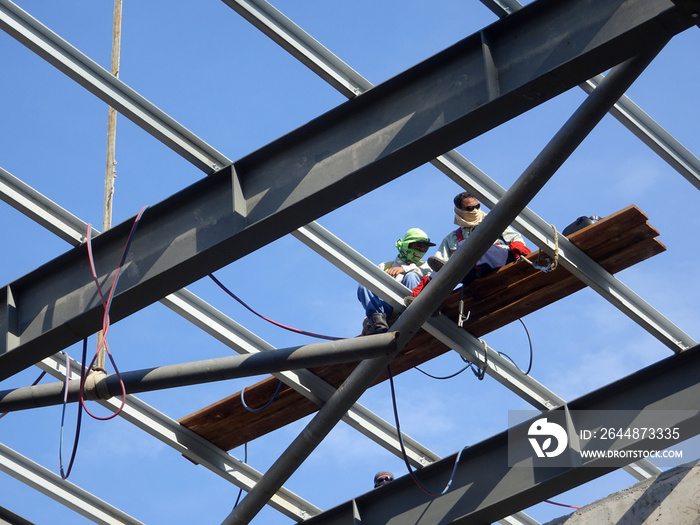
x,y
518,248
394,271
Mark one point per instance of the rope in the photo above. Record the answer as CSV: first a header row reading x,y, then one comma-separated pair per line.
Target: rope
x,y
552,265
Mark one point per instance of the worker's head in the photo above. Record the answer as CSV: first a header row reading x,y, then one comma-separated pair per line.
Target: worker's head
x,y
382,477
467,210
465,201
413,245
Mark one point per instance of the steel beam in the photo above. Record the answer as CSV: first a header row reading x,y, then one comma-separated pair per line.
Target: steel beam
x,y
51,484
103,386
485,488
341,155
631,115
100,82
187,443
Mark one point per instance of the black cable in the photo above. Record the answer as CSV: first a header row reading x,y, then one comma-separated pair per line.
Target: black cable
x,y
80,418
245,460
445,377
529,366
280,325
279,386
403,447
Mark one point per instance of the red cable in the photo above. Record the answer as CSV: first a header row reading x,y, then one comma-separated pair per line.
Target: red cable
x,y
291,329
107,304
561,504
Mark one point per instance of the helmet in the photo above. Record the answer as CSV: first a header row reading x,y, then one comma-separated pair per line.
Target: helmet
x,y
411,255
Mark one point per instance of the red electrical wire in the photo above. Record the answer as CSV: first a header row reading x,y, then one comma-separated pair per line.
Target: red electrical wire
x,y
107,304
291,329
561,504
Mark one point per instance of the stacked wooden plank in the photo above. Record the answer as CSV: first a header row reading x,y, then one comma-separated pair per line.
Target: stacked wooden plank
x,y
495,300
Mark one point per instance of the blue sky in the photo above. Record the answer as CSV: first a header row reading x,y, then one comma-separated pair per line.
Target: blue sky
x,y
228,83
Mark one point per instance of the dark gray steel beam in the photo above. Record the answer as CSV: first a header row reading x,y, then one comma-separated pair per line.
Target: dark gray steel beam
x,y
485,488
431,108
199,372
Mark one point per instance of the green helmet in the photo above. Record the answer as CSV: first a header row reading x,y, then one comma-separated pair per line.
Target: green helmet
x,y
411,255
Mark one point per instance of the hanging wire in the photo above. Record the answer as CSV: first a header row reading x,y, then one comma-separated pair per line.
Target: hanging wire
x,y
561,504
529,366
403,447
107,304
280,325
245,460
64,475
444,377
277,391
479,372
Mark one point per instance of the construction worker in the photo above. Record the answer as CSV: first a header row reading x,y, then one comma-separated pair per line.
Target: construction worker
x,y
407,268
382,477
468,215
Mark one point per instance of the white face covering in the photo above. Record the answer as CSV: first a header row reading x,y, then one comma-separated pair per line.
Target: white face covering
x,y
468,219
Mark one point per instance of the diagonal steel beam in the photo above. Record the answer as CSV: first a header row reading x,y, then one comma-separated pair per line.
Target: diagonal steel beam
x,y
631,115
105,386
337,157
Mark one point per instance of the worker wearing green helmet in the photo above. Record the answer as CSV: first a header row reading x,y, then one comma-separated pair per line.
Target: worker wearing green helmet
x,y
407,268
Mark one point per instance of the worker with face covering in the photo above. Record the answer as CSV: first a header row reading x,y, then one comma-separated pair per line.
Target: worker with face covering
x,y
468,215
407,268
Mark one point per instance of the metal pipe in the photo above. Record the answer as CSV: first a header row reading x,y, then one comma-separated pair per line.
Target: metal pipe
x,y
206,371
409,322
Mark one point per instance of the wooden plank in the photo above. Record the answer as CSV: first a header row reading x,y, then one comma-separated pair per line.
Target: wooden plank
x,y
495,300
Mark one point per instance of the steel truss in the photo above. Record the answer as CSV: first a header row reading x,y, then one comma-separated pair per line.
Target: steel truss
x,y
243,182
